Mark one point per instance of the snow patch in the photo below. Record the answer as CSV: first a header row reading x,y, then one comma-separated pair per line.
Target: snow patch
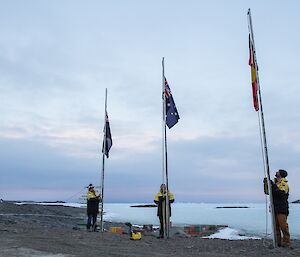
x,y
229,234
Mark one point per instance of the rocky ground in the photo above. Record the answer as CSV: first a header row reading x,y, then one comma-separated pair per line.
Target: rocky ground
x,y
58,231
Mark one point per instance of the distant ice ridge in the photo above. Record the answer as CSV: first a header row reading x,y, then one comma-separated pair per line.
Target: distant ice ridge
x,y
78,205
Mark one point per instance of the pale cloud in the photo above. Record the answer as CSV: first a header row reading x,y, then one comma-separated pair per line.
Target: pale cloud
x,y
57,58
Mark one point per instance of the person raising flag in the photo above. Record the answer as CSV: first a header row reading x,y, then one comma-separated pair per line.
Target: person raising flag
x,y
92,208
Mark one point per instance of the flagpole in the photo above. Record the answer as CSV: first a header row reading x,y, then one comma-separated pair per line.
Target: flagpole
x,y
263,132
103,162
163,120
166,217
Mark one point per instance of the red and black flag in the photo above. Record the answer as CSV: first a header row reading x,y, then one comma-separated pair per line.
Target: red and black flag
x,y
252,64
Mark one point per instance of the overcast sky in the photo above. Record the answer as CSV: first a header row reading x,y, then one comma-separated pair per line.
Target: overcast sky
x,y
57,57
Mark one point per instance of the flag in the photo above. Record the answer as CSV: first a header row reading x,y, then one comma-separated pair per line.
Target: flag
x,y
172,115
107,137
253,75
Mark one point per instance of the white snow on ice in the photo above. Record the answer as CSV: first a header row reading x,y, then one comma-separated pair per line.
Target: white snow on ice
x,y
230,234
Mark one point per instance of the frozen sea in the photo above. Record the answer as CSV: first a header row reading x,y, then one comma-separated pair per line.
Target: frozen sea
x,y
249,221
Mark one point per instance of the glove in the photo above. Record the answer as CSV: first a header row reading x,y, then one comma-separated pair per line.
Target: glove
x,y
266,186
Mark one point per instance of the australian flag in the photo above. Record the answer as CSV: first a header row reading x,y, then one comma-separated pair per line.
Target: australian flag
x,y
172,115
107,137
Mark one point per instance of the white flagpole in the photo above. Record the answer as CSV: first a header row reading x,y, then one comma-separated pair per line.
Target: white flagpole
x,y
263,132
166,214
103,162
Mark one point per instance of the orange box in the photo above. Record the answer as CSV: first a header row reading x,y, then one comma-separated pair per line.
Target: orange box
x,y
118,230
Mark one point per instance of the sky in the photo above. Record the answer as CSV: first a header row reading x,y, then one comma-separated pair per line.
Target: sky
x,y
57,57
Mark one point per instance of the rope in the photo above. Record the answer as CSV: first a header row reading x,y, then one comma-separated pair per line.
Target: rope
x,y
79,192
265,243
267,221
266,198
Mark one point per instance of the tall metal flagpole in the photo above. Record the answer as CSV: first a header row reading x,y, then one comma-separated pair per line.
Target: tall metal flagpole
x,y
166,215
103,161
263,132
163,119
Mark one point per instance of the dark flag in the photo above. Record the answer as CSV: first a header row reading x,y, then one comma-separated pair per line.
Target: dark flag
x,y
172,115
107,137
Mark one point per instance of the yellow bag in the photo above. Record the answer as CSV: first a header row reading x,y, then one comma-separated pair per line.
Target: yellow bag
x,y
136,236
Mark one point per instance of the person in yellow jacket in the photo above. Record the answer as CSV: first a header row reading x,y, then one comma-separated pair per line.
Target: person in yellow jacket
x,y
92,207
160,200
280,191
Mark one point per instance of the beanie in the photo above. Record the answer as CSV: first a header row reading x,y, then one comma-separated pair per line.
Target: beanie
x,y
283,173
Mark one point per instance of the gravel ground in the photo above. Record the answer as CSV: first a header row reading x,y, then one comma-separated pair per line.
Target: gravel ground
x,y
55,231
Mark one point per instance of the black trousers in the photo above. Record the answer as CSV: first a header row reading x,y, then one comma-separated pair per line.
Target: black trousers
x,y
91,221
161,228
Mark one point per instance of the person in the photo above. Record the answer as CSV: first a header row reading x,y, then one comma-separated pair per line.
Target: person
x,y
160,200
280,192
92,208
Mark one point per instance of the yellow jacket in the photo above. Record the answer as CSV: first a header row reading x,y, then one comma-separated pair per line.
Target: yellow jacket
x,y
160,200
90,195
280,196
282,185
159,194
